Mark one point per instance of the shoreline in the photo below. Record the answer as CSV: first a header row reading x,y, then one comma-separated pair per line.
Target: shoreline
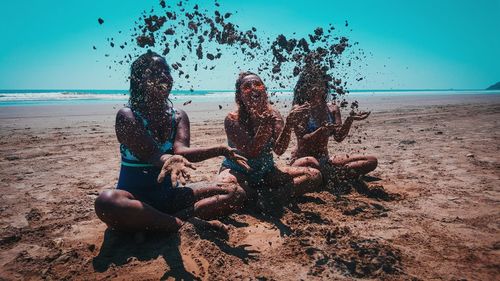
x,y
203,111
89,98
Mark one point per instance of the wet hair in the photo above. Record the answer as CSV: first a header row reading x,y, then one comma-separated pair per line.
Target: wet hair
x,y
142,71
311,76
243,114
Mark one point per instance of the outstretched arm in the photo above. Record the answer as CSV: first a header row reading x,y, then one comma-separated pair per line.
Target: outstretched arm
x,y
183,139
293,118
284,131
132,134
198,154
341,130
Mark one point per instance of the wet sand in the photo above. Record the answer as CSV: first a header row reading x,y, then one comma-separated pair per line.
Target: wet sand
x,y
429,212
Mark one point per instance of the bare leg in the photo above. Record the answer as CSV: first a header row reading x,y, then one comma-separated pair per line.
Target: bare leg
x,y
302,179
356,165
214,200
307,162
120,210
231,177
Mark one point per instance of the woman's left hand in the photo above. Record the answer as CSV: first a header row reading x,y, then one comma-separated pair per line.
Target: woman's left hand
x,y
360,115
177,166
232,155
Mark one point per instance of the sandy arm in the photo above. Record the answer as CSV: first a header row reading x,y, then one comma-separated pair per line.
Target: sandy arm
x,y
193,154
285,131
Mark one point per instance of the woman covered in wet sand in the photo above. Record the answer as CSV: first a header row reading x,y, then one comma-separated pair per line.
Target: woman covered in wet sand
x,y
150,132
256,129
322,121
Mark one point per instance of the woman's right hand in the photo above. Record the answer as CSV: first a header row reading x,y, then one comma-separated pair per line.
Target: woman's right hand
x,y
176,166
265,118
331,127
298,112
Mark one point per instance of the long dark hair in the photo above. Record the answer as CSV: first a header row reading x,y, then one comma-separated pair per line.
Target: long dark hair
x,y
311,76
142,71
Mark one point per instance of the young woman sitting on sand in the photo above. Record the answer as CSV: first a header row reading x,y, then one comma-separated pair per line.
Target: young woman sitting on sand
x,y
322,121
256,129
150,132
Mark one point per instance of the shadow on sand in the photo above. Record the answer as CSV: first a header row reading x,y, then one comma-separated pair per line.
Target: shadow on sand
x,y
120,248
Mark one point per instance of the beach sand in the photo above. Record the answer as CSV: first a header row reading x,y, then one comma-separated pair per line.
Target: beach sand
x,y
430,211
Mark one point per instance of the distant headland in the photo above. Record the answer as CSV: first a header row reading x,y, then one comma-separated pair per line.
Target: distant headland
x,y
494,87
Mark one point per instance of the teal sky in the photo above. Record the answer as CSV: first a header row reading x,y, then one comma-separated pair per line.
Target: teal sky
x,y
47,44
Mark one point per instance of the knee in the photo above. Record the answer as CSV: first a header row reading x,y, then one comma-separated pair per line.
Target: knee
x,y
106,203
311,161
237,194
314,174
372,162
308,161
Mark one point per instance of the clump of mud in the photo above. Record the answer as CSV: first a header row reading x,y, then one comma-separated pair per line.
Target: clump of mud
x,y
354,256
204,35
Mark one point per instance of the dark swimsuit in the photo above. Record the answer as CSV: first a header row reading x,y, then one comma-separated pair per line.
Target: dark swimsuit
x,y
140,178
261,165
312,125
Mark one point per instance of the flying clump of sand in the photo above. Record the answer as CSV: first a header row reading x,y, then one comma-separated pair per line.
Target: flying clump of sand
x,y
205,34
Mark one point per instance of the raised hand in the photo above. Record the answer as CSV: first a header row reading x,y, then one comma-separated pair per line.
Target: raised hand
x,y
177,166
232,155
298,112
359,116
265,117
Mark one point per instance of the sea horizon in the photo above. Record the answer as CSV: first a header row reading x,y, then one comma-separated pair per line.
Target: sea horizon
x,y
33,97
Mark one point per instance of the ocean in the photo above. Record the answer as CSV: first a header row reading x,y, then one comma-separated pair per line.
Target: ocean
x,y
66,97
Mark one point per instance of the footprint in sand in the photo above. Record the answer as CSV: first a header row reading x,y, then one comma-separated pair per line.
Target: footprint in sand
x,y
195,263
261,237
191,248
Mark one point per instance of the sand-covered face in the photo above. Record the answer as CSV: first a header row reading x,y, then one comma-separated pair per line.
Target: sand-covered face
x,y
150,82
157,82
316,93
253,94
312,86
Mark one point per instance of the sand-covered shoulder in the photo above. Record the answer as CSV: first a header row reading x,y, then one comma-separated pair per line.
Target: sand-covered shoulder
x,y
430,210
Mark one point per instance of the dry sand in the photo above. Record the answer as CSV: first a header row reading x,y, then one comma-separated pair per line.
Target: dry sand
x,y
430,212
